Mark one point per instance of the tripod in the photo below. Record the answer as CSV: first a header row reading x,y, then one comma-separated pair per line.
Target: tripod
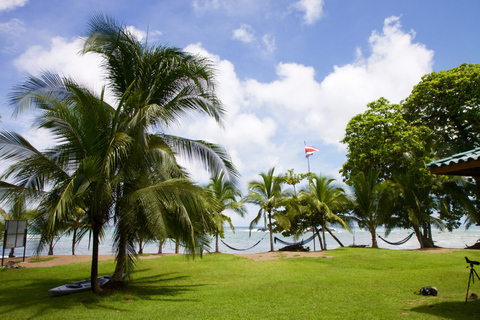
x,y
473,273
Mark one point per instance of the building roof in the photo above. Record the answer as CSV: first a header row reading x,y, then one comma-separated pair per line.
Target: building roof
x,y
460,164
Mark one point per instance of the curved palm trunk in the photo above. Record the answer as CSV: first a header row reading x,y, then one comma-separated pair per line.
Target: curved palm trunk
x,y
116,281
94,270
323,236
319,238
334,237
270,231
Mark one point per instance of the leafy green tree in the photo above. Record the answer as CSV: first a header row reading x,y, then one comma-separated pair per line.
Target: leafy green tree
x,y
372,200
223,195
291,178
447,102
379,139
272,200
324,203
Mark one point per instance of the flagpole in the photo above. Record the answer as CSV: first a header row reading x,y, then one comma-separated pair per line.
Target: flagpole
x,y
308,164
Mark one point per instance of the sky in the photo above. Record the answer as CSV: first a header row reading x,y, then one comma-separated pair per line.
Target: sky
x,y
288,72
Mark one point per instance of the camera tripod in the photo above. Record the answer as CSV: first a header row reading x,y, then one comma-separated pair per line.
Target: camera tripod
x,y
473,273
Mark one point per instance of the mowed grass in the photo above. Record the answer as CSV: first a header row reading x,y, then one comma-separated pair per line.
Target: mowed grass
x,y
354,283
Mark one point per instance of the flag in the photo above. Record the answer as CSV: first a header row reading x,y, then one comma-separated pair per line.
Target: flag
x,y
310,150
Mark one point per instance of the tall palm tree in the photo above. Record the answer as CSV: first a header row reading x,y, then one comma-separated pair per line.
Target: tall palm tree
x,y
272,200
371,200
324,202
160,86
83,166
224,195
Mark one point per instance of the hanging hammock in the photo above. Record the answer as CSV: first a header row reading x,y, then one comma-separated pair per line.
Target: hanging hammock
x,y
301,243
399,242
230,247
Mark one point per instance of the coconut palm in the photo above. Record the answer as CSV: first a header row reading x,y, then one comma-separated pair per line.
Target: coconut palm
x,y
371,201
160,86
324,201
83,166
272,200
224,195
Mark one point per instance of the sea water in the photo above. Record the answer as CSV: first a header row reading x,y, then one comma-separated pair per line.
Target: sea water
x,y
242,238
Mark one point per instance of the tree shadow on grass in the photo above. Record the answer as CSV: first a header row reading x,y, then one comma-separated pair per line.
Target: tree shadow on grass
x,y
32,295
456,310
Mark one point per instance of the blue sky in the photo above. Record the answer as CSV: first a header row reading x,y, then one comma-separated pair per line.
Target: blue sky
x,y
288,71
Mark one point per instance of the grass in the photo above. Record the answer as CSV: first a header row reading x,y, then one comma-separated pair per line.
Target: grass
x,y
356,283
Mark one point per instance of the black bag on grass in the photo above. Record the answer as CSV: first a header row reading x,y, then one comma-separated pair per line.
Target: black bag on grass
x,y
428,291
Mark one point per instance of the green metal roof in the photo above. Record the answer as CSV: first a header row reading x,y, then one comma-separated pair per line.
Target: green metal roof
x,y
466,164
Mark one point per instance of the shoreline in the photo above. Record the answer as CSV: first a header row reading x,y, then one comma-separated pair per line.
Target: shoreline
x,y
57,260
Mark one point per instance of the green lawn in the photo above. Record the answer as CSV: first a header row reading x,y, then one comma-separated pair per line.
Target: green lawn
x,y
354,284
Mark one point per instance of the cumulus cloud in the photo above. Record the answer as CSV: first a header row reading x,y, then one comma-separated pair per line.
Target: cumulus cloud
x,y
11,4
245,33
312,10
63,57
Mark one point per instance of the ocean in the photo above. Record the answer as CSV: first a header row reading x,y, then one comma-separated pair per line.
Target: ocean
x,y
242,239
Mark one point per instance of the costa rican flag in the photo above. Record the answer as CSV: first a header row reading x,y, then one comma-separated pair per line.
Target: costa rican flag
x,y
310,150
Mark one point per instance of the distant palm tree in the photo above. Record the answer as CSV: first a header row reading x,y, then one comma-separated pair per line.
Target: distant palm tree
x,y
372,199
223,195
272,200
323,202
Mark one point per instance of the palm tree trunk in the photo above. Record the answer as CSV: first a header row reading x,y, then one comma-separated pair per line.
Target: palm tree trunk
x,y
319,238
323,235
73,241
270,231
50,248
177,246
374,237
94,270
160,246
140,246
216,241
336,239
116,281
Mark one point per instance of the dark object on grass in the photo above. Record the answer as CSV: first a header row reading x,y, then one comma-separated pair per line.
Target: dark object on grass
x,y
295,247
12,265
473,273
78,286
428,291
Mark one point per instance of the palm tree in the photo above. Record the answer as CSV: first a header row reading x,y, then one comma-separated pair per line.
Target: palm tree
x,y
83,166
324,202
271,199
223,196
159,87
371,201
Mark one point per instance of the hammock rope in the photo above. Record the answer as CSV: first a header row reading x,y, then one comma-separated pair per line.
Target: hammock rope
x,y
230,247
399,242
301,243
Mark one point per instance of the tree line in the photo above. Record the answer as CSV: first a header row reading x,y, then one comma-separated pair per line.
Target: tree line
x,y
116,164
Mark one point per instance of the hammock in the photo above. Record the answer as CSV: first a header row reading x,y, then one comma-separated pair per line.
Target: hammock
x,y
399,242
243,249
301,243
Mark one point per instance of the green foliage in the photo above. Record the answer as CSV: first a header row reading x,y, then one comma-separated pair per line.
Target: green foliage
x,y
269,195
448,103
381,139
353,283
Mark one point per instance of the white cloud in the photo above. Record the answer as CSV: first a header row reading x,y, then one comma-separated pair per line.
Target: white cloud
x,y
10,32
269,43
312,10
63,57
245,33
11,4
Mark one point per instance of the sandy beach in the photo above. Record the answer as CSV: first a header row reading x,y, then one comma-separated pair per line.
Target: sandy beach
x,y
67,259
